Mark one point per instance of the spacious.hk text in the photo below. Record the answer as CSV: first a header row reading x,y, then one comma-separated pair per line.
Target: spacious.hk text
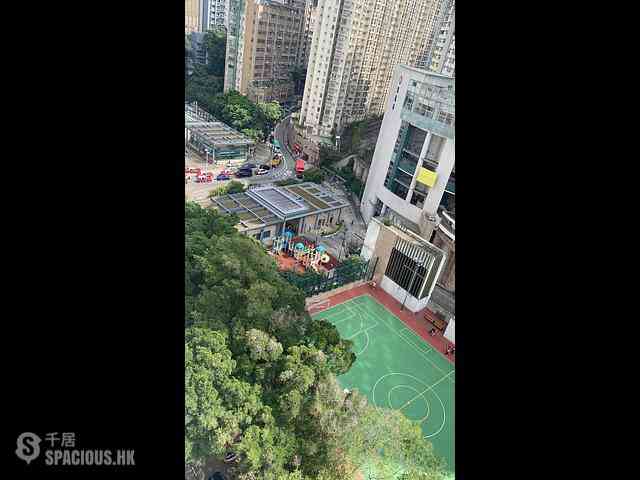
x,y
89,457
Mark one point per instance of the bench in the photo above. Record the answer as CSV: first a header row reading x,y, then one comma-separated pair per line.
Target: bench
x,y
435,320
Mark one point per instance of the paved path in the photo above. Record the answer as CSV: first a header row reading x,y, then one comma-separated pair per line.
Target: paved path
x,y
264,154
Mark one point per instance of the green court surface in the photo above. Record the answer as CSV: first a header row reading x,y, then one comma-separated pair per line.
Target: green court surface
x,y
396,368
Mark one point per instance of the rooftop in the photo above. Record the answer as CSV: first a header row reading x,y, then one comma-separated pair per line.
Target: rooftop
x,y
210,131
267,205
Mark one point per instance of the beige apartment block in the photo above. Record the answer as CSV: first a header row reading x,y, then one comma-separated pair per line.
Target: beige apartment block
x,y
356,46
192,16
264,47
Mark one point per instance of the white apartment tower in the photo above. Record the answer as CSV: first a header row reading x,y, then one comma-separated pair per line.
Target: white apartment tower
x,y
308,28
356,45
215,13
412,171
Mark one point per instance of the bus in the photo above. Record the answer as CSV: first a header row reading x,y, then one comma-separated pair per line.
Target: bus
x,y
299,166
276,146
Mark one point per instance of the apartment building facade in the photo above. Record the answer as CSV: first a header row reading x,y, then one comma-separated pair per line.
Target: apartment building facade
x,y
193,10
214,14
444,51
356,45
263,47
412,174
308,27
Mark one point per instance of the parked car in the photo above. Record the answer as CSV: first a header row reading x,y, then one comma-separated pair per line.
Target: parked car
x,y
223,176
265,166
249,165
204,178
262,171
244,173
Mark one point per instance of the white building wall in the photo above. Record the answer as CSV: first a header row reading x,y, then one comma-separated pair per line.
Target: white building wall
x,y
370,239
450,332
396,291
375,189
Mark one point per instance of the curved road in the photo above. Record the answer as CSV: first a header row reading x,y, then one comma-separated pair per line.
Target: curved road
x,y
286,169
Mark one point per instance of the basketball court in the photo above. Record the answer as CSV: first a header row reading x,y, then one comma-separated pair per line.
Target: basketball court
x,y
396,368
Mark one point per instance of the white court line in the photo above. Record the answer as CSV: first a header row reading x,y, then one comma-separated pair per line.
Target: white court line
x,y
419,351
415,390
372,312
333,314
426,390
444,413
343,319
340,304
357,314
362,331
414,334
366,345
422,341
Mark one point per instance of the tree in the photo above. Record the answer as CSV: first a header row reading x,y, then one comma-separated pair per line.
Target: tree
x,y
272,113
217,405
255,134
314,175
235,187
237,115
216,44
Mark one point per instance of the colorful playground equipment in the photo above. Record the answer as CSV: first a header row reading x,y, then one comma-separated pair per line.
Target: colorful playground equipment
x,y
308,254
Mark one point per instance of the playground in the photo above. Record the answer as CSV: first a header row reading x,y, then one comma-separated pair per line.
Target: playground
x,y
396,367
300,254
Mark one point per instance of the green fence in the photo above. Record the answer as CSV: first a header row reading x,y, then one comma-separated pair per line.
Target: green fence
x,y
312,283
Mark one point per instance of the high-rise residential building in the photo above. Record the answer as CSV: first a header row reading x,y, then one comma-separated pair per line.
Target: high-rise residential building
x,y
443,59
440,50
411,178
308,27
356,45
235,38
215,13
193,15
263,47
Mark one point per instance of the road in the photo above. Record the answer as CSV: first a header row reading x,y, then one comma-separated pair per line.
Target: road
x,y
286,168
199,192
